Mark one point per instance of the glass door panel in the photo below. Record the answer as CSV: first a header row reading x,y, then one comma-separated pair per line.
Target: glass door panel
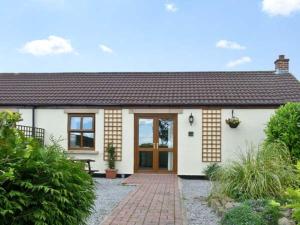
x,y
166,160
165,146
165,133
146,160
146,144
145,133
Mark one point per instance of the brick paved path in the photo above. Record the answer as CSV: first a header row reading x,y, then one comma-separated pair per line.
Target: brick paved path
x,y
156,201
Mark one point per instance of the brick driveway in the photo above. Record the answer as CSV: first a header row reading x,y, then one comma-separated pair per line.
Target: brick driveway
x,y
156,201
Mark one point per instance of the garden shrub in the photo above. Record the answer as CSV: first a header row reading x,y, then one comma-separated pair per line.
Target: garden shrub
x,y
293,199
241,215
268,210
264,173
211,170
253,212
285,127
39,185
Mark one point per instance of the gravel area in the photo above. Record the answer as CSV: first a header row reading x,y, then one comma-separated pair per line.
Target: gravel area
x,y
108,194
194,195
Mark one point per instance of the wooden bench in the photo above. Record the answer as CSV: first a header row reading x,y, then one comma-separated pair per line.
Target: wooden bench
x,y
88,162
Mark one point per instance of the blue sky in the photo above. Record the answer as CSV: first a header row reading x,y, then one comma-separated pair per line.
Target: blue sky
x,y
148,35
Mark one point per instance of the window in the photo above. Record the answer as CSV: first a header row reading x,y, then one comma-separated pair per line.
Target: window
x,y
81,131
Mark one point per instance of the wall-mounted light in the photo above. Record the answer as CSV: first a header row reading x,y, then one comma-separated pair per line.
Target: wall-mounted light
x,y
191,119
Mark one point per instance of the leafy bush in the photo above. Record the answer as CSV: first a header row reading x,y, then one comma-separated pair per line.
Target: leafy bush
x,y
285,127
253,212
211,170
264,173
39,185
268,210
242,215
293,198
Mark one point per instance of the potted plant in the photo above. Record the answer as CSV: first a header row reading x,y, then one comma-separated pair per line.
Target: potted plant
x,y
233,122
111,171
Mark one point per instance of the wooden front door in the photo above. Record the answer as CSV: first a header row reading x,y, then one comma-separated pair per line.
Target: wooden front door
x,y
155,143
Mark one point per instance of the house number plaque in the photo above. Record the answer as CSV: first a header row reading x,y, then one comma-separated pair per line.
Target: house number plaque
x,y
191,133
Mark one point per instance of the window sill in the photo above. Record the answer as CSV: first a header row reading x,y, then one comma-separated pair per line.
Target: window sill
x,y
89,152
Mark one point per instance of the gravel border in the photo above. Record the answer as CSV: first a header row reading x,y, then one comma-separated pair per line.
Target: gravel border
x,y
108,194
194,194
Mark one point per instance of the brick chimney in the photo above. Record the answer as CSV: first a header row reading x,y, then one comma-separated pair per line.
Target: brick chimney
x,y
281,65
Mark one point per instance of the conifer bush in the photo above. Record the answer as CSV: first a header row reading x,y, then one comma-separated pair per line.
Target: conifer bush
x,y
39,185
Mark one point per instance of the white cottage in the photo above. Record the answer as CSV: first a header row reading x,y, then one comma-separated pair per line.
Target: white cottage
x,y
159,122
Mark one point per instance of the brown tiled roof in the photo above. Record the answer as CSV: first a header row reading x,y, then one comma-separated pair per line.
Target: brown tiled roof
x,y
149,89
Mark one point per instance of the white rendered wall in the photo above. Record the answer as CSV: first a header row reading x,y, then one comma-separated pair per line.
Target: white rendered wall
x,y
26,116
251,130
55,123
126,166
234,141
189,148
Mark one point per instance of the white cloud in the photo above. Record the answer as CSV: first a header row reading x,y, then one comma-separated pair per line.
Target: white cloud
x,y
280,7
106,49
171,7
53,45
237,62
229,45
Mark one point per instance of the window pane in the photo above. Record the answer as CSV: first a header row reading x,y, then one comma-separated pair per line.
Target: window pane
x,y
87,123
165,133
75,140
146,133
75,123
88,140
166,160
146,160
